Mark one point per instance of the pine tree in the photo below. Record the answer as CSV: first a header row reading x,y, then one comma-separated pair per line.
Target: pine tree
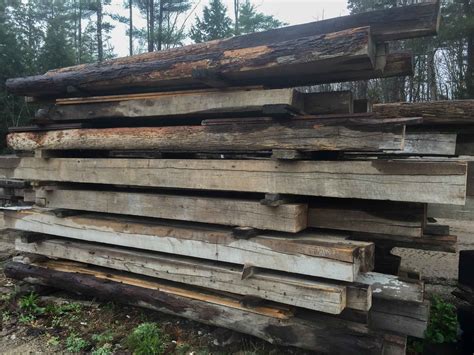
x,y
215,23
250,20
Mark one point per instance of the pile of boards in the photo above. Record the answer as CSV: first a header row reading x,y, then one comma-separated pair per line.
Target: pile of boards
x,y
195,182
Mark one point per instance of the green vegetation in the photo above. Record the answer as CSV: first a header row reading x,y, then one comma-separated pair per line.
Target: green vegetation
x,y
75,343
443,327
148,339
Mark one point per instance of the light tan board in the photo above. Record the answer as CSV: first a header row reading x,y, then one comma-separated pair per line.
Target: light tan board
x,y
226,211
273,286
411,181
313,254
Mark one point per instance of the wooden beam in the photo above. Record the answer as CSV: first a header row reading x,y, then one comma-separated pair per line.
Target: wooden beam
x,y
403,318
179,104
392,218
433,113
227,211
304,134
314,254
307,293
463,213
317,332
444,243
399,180
274,65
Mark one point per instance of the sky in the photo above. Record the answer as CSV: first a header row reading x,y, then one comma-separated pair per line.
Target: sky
x,y
292,12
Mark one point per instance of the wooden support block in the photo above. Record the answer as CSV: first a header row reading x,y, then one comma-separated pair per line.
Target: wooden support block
x,y
274,200
399,180
313,254
313,331
362,105
322,103
227,211
244,232
287,154
436,229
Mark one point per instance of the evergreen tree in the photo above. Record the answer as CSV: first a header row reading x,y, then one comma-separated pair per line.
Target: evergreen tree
x,y
215,23
250,20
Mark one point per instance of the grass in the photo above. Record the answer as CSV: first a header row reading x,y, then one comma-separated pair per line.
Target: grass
x,y
76,344
148,339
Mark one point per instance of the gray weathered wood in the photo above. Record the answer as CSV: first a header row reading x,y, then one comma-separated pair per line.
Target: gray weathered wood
x,y
401,219
464,213
300,292
400,317
413,181
334,102
228,211
314,254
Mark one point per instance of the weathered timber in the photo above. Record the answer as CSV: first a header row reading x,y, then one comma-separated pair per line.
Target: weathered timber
x,y
463,213
398,180
444,243
300,134
319,333
297,291
12,184
433,113
283,63
392,288
400,317
199,103
404,219
227,211
314,254
436,229
391,24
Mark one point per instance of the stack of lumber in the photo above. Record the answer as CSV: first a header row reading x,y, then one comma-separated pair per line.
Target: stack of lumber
x,y
198,182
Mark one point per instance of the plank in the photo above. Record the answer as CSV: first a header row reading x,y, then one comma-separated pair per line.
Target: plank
x,y
444,243
300,134
313,254
319,333
198,103
399,180
429,144
289,217
391,218
448,112
307,293
284,63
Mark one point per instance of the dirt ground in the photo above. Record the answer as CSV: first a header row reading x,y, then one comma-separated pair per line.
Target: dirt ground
x,y
92,319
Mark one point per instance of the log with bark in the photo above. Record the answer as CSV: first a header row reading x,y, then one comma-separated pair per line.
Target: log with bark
x,y
287,63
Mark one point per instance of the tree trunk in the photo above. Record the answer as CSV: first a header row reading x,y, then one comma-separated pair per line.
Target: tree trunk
x,y
130,5
468,11
100,48
160,27
236,15
151,26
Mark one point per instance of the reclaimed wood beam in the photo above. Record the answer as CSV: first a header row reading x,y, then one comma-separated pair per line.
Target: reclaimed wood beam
x,y
289,217
315,331
397,180
314,254
306,133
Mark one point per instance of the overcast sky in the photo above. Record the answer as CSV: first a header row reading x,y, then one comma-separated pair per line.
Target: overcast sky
x,y
290,11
